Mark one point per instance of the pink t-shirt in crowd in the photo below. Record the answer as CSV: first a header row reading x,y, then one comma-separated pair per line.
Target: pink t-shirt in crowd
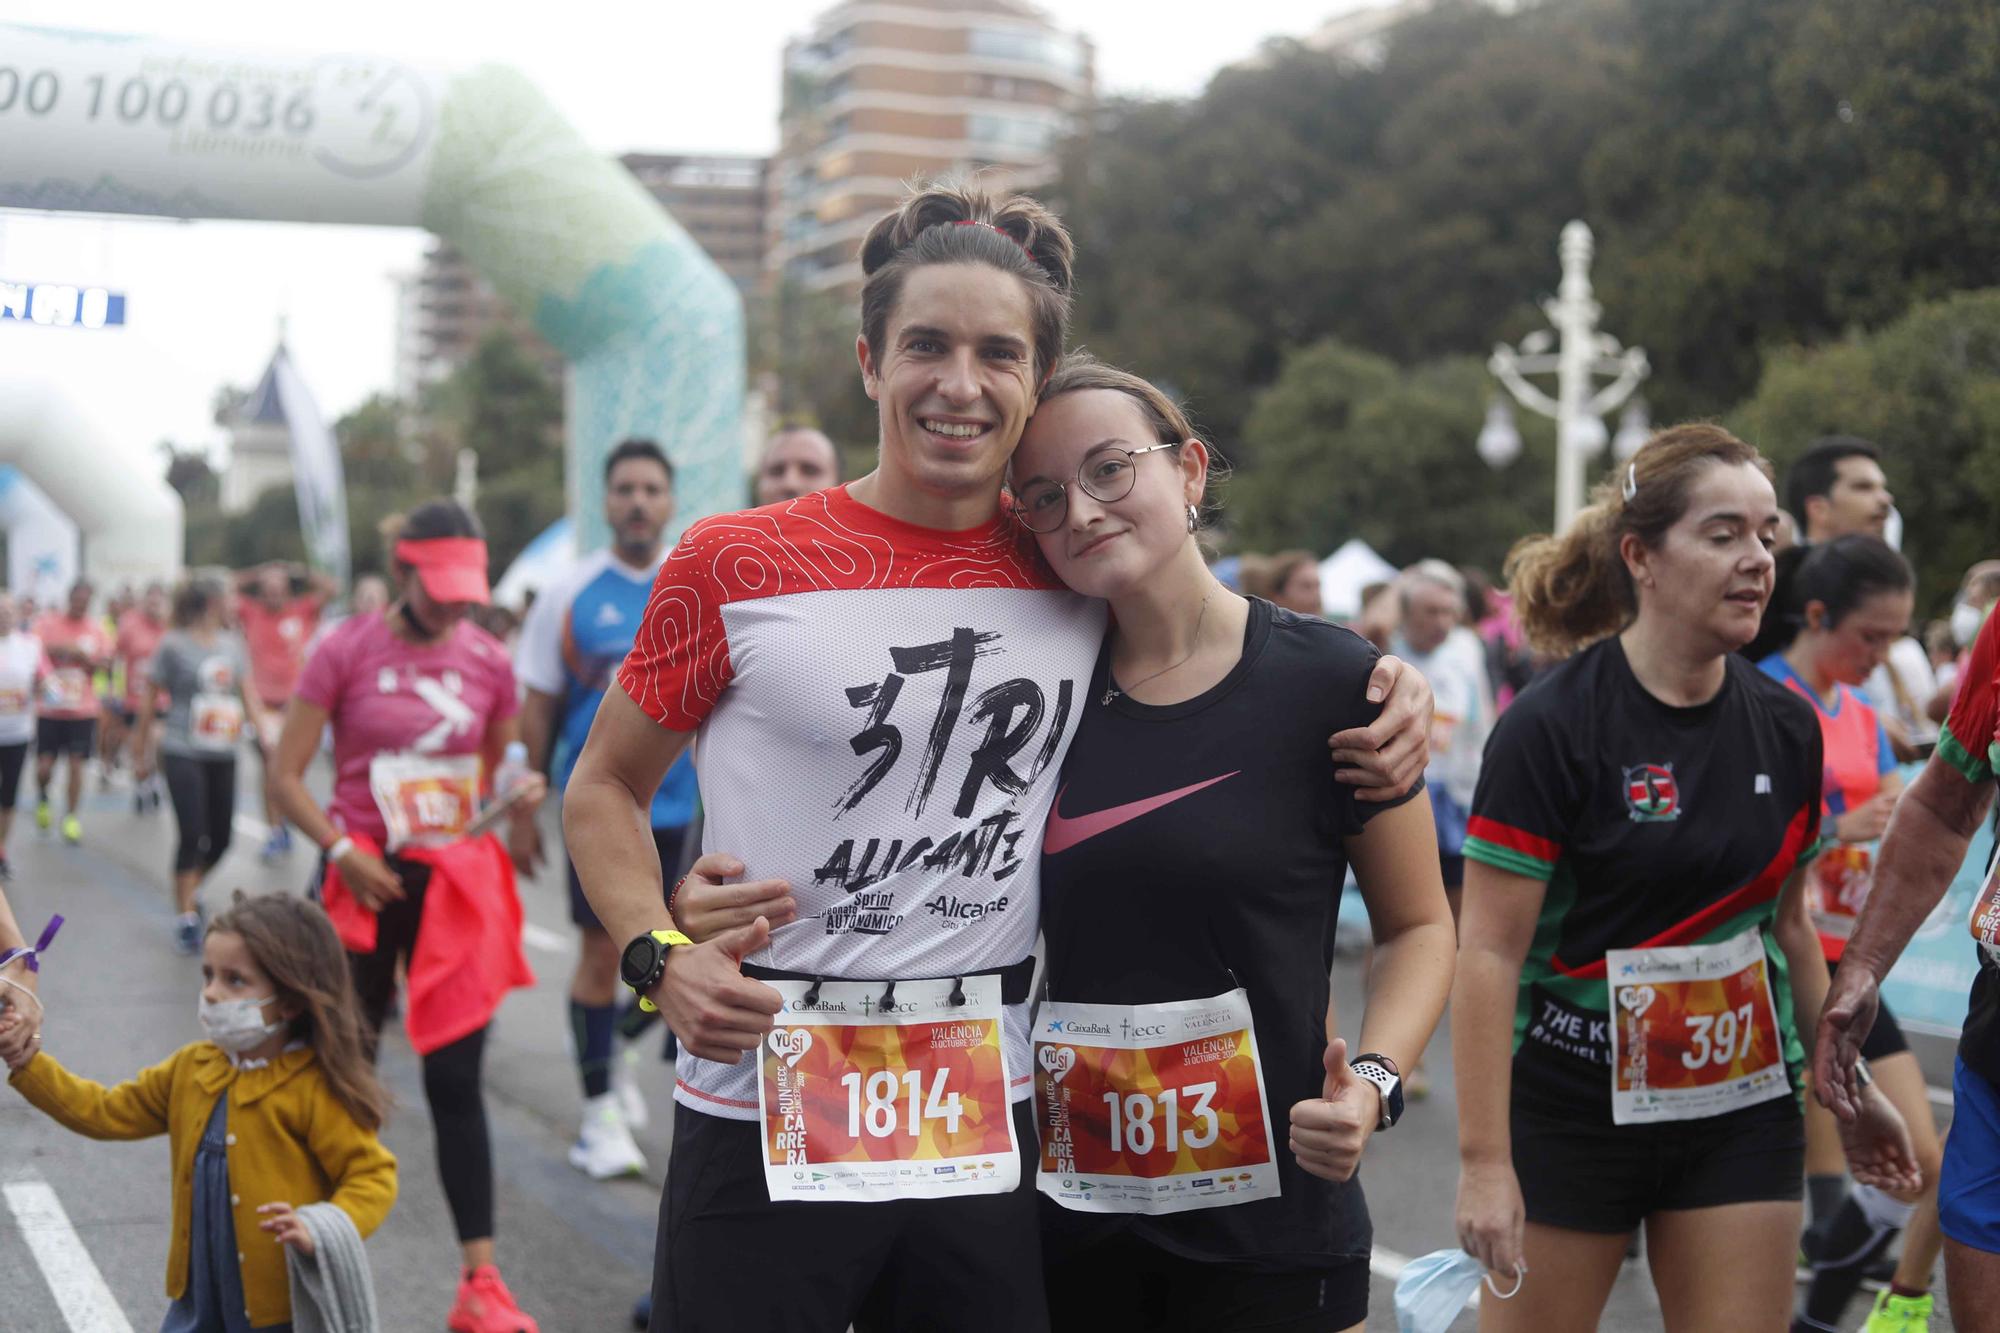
x,y
70,692
385,696
139,638
277,643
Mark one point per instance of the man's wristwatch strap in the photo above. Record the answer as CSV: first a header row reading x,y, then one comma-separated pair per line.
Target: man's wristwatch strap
x,y
672,939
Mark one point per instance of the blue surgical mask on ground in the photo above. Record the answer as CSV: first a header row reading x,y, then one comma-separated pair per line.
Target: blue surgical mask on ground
x,y
1434,1288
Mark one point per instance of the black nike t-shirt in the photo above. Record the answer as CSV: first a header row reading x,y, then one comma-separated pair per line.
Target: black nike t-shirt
x,y
1196,847
1652,825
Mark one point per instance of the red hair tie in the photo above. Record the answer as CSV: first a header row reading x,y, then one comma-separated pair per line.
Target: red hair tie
x,y
973,222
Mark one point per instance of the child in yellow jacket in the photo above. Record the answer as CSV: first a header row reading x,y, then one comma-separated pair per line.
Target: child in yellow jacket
x,y
277,1109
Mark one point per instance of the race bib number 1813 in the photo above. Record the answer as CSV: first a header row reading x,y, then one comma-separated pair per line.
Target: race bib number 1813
x,y
863,1104
1153,1108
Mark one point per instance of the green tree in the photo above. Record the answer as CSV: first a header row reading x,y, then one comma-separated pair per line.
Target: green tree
x,y
1927,390
502,405
806,341
1347,444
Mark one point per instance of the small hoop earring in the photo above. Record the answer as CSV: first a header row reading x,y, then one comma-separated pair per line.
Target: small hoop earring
x,y
1194,518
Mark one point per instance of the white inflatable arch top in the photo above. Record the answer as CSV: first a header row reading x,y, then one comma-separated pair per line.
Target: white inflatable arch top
x,y
652,329
130,519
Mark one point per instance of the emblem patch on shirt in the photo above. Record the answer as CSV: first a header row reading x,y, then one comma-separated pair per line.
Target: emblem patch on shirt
x,y
1651,795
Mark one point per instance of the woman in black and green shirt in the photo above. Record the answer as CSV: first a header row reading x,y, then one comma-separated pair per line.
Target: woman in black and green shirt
x,y
1635,943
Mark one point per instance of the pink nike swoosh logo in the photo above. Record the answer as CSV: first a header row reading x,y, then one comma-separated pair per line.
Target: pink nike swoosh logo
x,y
1063,834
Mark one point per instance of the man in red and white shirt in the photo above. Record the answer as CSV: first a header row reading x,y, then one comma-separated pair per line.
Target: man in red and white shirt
x,y
75,647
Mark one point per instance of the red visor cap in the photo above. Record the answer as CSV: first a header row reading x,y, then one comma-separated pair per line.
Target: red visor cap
x,y
453,569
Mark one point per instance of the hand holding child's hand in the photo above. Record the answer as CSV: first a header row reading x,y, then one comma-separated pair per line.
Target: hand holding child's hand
x,y
286,1226
20,1037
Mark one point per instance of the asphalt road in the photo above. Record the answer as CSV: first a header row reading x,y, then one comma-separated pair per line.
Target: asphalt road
x,y
576,1253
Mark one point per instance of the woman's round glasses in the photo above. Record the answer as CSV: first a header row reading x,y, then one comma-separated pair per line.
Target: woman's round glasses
x,y
1106,477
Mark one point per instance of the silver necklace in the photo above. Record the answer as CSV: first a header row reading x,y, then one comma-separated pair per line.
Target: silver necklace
x,y
1112,691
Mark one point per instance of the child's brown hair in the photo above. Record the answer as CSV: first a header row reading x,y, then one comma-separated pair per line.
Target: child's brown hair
x,y
295,944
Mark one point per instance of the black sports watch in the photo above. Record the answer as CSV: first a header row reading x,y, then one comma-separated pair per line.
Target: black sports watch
x,y
644,962
1381,1071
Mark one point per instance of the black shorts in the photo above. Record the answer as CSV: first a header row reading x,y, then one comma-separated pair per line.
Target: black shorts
x,y
1608,1178
728,1259
73,736
666,842
1886,1037
1124,1282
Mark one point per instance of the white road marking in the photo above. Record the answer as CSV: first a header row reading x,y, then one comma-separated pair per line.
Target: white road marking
x,y
540,937
85,1302
1940,1096
251,828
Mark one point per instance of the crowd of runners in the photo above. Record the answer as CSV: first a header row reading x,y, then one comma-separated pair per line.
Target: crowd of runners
x,y
865,792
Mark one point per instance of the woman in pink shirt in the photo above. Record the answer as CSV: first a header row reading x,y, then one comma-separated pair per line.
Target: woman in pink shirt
x,y
422,705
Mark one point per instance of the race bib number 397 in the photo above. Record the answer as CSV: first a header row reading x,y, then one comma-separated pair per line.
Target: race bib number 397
x,y
863,1104
1694,1031
1155,1108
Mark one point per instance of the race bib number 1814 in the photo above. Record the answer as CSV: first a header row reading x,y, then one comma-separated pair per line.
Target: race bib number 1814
x,y
863,1104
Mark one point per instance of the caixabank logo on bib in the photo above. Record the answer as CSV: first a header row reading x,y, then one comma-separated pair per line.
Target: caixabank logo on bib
x,y
1651,794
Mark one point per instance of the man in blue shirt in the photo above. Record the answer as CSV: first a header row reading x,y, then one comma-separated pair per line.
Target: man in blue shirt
x,y
577,633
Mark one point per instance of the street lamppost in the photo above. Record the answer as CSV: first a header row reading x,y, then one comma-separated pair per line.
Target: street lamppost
x,y
1577,353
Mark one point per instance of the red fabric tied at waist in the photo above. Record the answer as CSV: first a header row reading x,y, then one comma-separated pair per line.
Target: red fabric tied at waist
x,y
468,950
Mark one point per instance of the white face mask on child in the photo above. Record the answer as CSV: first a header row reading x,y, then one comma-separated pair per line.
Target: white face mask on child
x,y
237,1025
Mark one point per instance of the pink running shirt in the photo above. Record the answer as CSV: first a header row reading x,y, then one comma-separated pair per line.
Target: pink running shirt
x,y
70,692
385,696
138,639
277,643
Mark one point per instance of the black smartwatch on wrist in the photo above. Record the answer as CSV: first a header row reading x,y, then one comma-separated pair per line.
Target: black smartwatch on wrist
x,y
1381,1071
644,962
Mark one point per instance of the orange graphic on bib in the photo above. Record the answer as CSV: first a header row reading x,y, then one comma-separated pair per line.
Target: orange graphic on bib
x,y
920,1092
436,805
1696,1034
1195,1105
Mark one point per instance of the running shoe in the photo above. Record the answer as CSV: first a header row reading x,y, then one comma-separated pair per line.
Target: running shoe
x,y
485,1305
1900,1314
72,830
625,1085
642,1313
187,932
278,846
45,817
604,1147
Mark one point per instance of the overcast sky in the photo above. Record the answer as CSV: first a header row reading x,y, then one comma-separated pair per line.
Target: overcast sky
x,y
206,298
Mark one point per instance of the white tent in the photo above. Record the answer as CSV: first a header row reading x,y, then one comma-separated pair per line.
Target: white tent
x,y
1345,573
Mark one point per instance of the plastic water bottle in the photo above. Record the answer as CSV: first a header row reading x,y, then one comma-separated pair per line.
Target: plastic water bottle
x,y
513,770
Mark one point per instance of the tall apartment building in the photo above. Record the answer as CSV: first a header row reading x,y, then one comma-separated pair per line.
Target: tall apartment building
x,y
881,91
446,308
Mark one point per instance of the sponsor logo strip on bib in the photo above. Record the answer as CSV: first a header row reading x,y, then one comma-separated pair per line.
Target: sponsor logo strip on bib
x,y
1155,1108
1694,1031
862,1103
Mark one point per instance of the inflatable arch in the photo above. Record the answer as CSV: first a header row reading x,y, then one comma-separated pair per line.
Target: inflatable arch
x,y
652,329
63,483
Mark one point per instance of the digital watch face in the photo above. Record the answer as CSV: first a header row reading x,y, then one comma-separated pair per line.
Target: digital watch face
x,y
640,955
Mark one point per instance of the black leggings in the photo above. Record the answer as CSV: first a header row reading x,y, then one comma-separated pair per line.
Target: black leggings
x,y
451,1073
12,759
204,796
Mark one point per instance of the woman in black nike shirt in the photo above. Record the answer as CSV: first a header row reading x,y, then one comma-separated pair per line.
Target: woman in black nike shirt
x,y
1634,938
1199,1132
